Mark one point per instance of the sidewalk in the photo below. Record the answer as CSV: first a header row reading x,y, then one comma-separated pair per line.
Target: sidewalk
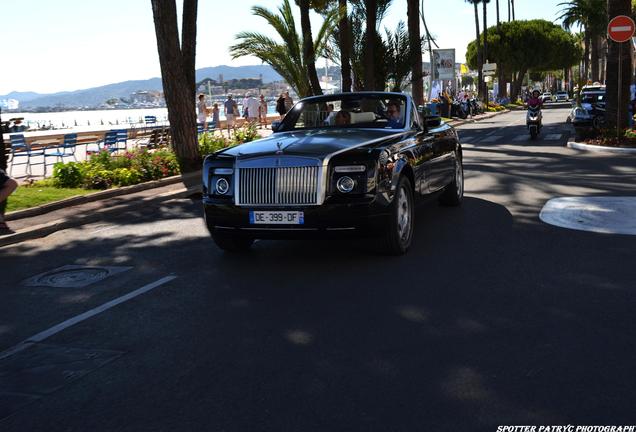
x,y
44,220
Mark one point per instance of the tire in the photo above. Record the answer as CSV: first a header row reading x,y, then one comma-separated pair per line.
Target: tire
x,y
398,235
454,193
533,132
232,243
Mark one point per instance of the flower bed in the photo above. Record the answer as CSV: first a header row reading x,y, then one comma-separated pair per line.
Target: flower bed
x,y
104,170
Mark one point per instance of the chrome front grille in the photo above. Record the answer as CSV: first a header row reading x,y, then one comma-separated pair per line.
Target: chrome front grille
x,y
278,186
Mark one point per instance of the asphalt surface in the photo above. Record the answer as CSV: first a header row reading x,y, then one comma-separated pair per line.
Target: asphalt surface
x,y
492,318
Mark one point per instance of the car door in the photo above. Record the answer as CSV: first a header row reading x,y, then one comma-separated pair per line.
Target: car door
x,y
422,154
442,162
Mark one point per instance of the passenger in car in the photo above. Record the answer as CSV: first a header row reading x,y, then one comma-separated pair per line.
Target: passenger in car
x,y
393,113
343,118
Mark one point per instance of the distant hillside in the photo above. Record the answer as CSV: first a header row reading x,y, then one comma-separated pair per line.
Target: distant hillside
x,y
97,95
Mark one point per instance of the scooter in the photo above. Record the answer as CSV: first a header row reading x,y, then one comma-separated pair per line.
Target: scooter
x,y
533,120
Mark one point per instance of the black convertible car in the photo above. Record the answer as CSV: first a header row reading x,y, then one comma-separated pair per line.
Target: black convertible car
x,y
345,163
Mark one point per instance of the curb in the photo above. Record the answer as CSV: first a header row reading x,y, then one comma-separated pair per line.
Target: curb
x,y
45,229
474,120
97,196
594,148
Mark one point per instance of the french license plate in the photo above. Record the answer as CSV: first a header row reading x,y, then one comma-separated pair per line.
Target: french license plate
x,y
277,217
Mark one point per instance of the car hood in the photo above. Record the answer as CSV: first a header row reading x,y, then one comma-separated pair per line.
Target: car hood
x,y
311,143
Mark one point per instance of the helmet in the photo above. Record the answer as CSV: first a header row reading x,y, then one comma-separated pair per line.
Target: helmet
x,y
535,91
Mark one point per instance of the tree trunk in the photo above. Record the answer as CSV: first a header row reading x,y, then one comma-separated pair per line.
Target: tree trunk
x,y
595,57
3,150
512,3
309,56
515,88
501,78
415,43
345,47
508,10
480,60
371,7
586,54
485,54
177,76
614,8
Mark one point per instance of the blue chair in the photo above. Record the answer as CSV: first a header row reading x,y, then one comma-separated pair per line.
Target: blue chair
x,y
200,128
109,142
21,149
122,137
66,149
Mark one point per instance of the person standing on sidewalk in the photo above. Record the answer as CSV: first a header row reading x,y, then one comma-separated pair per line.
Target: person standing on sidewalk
x,y
7,186
231,111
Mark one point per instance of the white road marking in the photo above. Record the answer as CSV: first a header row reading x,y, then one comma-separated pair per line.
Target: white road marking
x,y
553,137
492,138
608,215
82,317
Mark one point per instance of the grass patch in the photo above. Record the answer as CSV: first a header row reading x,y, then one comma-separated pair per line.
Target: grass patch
x,y
32,196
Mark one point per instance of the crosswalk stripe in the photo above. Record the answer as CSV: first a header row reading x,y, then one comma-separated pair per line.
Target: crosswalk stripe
x,y
523,137
467,138
492,138
553,137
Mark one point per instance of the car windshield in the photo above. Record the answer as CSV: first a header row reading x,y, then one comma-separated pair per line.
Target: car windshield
x,y
348,111
592,98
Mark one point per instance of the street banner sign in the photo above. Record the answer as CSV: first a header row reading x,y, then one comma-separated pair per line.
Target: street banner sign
x,y
621,28
444,64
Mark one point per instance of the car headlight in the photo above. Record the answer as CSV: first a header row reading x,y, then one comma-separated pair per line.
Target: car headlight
x,y
345,184
222,186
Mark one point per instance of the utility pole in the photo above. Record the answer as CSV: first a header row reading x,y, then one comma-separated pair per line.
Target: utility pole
x,y
430,51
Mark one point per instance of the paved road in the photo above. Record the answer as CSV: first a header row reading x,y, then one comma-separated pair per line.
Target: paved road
x,y
492,318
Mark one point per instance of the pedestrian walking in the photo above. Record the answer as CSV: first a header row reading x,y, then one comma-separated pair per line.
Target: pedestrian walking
x,y
230,108
215,116
7,187
203,112
252,106
280,105
289,102
262,112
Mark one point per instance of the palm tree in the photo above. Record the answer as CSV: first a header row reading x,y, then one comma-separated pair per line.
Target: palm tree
x,y
308,48
591,16
415,50
370,6
479,51
399,58
344,36
286,57
485,54
617,107
177,61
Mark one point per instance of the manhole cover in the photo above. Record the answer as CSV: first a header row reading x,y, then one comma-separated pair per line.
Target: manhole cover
x,y
73,276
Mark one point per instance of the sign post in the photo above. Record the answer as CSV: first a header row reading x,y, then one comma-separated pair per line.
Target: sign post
x,y
488,70
620,29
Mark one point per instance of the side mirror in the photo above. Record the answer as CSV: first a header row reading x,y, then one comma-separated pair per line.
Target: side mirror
x,y
275,125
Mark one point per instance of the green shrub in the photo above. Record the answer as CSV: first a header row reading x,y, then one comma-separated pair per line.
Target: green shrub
x,y
98,178
246,133
209,143
102,159
68,175
126,176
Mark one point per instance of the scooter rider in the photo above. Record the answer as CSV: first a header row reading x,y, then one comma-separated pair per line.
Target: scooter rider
x,y
535,100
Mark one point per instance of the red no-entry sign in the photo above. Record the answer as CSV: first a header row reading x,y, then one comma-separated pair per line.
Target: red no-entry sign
x,y
621,28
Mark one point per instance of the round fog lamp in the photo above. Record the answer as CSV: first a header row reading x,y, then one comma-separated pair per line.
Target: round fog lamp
x,y
222,186
345,184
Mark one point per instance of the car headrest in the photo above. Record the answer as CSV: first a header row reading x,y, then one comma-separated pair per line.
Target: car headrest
x,y
362,117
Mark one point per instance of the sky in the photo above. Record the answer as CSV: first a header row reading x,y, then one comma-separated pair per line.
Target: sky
x,y
65,45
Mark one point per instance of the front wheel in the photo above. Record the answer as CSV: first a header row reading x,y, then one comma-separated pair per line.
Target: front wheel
x,y
533,132
398,235
232,242
454,192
